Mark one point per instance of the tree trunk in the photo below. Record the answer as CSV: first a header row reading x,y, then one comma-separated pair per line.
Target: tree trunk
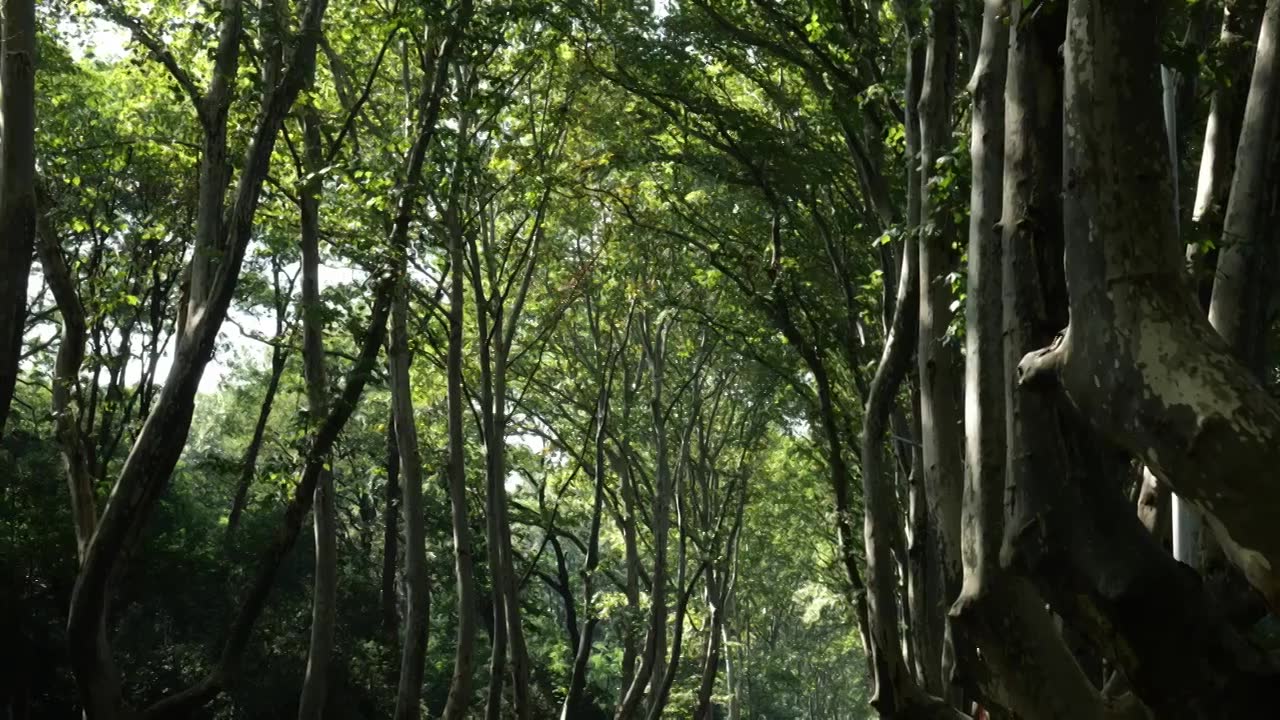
x,y
1234,52
17,186
1026,669
1138,360
497,453
894,687
939,359
655,340
460,685
574,702
391,538
315,685
159,444
249,464
1135,342
417,616
1242,300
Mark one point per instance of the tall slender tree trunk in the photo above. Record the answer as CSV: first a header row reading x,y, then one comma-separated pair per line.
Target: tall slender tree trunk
x,y
249,464
574,702
17,185
460,685
1026,668
418,613
655,339
158,445
315,685
939,359
1234,51
1243,290
519,652
391,537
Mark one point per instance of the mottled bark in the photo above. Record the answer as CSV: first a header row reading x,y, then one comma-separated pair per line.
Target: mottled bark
x,y
1155,507
1139,360
1135,333
1026,669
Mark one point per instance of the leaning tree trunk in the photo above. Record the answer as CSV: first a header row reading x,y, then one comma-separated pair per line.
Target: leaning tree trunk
x,y
150,463
17,185
249,463
1138,360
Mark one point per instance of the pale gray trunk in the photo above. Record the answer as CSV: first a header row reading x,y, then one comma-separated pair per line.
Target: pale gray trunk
x,y
939,358
1212,440
894,686
1026,669
1234,52
1242,292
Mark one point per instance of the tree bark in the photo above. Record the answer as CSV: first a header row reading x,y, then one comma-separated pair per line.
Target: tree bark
x,y
939,359
1241,306
894,685
391,538
1135,331
315,684
655,348
17,185
574,702
414,653
1234,52
249,464
463,564
1138,360
1026,668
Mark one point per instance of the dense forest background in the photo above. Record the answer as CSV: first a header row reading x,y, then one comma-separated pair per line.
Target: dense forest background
x,y
703,359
